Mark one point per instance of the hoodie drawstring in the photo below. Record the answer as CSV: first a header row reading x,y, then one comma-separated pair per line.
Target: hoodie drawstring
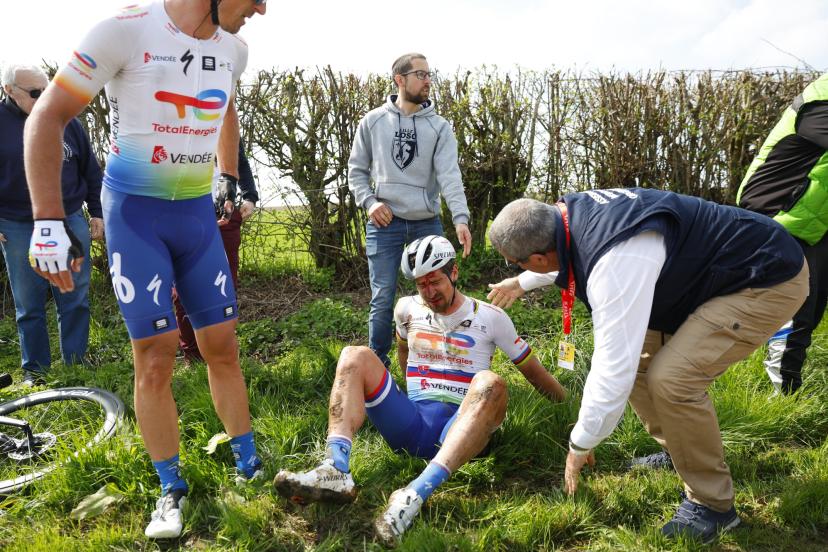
x,y
416,138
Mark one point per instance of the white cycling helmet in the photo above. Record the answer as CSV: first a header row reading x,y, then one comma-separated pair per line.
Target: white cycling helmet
x,y
426,255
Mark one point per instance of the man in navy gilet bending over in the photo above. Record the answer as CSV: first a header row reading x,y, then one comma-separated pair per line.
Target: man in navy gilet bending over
x,y
679,289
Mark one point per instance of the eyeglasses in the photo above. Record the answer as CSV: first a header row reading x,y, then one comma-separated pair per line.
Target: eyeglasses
x,y
261,2
34,93
422,74
513,265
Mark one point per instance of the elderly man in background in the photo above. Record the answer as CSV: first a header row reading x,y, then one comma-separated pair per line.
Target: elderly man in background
x,y
80,182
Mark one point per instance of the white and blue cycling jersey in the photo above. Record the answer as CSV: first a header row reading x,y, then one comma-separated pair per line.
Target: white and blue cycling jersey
x,y
168,93
444,355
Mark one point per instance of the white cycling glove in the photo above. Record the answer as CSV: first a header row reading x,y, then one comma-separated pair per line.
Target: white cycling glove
x,y
53,246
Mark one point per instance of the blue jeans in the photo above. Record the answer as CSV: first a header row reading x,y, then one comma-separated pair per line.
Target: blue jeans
x,y
29,292
384,247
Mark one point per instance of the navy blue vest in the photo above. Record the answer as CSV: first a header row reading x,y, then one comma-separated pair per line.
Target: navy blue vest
x,y
712,249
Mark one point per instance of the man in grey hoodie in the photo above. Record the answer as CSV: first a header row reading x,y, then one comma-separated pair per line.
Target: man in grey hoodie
x,y
410,154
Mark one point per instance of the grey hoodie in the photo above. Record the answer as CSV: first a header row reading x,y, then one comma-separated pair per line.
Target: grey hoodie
x,y
412,160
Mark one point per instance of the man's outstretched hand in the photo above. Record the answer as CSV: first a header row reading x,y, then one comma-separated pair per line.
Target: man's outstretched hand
x,y
574,465
504,293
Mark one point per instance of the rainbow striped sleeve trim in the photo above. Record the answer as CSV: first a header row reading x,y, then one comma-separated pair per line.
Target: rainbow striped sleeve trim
x,y
523,357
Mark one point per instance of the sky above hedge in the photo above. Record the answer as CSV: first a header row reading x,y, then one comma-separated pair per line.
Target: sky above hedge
x,y
366,35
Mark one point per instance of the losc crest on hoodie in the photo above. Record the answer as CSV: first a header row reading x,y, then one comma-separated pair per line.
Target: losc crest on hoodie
x,y
404,147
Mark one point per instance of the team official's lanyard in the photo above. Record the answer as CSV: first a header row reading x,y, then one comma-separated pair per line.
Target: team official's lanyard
x,y
568,293
566,349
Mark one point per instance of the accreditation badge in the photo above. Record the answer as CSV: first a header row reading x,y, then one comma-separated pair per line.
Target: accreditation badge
x,y
566,355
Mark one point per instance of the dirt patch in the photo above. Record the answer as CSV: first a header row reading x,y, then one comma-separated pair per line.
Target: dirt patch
x,y
276,298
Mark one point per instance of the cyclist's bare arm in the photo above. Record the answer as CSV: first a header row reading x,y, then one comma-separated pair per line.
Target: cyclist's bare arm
x,y
43,149
543,381
228,144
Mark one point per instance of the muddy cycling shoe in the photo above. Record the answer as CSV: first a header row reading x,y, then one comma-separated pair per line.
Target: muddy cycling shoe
x,y
166,521
324,483
403,507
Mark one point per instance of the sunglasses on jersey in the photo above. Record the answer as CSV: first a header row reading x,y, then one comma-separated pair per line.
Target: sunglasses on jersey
x,y
34,93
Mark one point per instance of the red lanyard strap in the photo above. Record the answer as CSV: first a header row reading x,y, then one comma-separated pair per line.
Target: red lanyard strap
x,y
567,294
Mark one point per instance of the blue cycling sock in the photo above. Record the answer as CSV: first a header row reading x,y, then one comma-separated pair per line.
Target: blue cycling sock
x,y
244,451
339,449
169,472
431,478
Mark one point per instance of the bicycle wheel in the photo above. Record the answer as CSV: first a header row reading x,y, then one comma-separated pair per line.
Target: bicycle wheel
x,y
65,422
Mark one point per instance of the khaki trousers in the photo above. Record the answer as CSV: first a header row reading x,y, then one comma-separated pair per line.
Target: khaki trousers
x,y
670,393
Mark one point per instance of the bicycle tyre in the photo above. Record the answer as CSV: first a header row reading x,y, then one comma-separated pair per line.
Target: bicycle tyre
x,y
110,417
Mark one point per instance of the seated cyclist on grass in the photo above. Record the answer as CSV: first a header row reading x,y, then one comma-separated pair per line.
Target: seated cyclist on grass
x,y
454,402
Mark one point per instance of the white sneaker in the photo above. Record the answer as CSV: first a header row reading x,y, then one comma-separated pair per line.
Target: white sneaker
x,y
403,507
166,521
323,483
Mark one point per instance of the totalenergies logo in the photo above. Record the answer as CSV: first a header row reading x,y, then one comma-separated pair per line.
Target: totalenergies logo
x,y
46,245
208,99
86,59
455,339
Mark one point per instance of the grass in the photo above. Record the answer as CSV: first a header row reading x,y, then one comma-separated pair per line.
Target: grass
x,y
508,500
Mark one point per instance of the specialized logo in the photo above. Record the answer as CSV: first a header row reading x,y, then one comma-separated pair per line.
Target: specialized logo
x,y
212,99
86,59
148,57
124,289
221,280
154,287
159,155
404,147
186,59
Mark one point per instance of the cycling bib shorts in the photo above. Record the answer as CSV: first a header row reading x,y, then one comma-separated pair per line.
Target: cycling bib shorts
x,y
147,257
417,427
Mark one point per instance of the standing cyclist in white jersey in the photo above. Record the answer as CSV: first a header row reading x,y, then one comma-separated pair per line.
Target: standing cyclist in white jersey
x,y
170,69
445,344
